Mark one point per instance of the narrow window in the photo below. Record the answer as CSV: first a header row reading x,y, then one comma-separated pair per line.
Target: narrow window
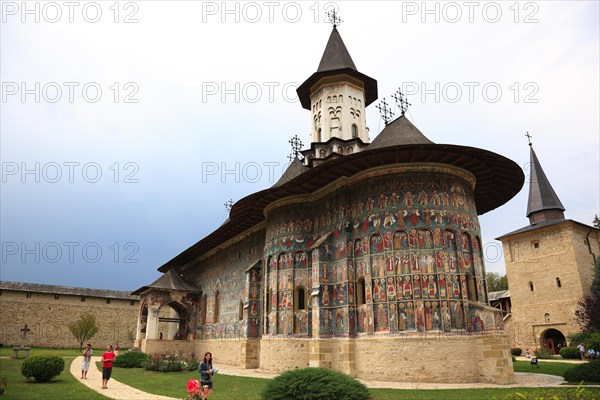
x,y
132,302
56,296
319,135
269,301
241,311
360,292
354,131
28,295
300,299
107,301
531,286
558,284
535,244
216,310
82,298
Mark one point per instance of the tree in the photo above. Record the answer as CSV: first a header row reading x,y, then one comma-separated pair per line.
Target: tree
x,y
496,282
596,222
588,308
84,328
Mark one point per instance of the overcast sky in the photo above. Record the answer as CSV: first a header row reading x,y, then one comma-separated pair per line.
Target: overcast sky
x,y
125,127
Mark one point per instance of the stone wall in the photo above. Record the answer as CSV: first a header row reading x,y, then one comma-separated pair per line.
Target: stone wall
x,y
281,354
549,270
48,318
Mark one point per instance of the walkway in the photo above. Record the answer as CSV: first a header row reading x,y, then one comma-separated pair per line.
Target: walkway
x,y
120,391
116,390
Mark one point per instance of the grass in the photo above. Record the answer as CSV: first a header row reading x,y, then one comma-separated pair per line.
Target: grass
x,y
64,387
550,368
232,387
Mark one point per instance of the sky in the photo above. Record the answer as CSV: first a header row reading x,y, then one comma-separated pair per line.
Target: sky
x,y
127,126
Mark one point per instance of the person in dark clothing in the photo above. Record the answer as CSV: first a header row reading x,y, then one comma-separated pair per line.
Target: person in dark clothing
x,y
207,371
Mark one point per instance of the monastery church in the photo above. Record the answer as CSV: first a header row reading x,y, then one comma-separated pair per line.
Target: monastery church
x,y
363,254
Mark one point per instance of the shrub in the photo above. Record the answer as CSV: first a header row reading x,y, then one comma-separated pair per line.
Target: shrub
x,y
578,337
314,384
42,368
193,364
570,352
131,359
163,363
593,342
543,354
516,351
588,372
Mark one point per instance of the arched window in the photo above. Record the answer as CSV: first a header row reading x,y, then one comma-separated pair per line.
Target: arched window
x,y
268,302
354,131
300,298
558,284
216,309
322,153
203,311
241,311
340,150
471,287
319,135
531,286
360,292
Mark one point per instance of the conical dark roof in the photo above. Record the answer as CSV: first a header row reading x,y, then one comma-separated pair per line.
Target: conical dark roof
x,y
295,169
399,132
336,60
336,55
541,194
170,280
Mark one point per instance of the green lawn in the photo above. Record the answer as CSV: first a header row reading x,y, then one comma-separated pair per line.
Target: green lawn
x,y
550,368
231,387
64,387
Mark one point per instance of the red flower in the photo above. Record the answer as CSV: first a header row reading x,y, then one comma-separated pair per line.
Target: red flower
x,y
192,386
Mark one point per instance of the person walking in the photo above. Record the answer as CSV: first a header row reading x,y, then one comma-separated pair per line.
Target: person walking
x,y
581,351
107,359
87,357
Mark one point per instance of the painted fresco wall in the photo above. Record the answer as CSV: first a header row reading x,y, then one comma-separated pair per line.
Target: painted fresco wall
x,y
389,254
231,291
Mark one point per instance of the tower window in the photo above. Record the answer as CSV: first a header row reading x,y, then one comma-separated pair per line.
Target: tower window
x,y
319,135
547,317
82,298
535,244
107,301
354,131
558,284
28,295
56,296
531,286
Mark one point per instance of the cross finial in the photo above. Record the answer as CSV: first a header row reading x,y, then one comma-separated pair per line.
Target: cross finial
x,y
401,101
334,18
529,138
229,205
296,144
385,112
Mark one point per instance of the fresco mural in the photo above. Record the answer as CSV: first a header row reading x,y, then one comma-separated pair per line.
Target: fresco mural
x,y
410,237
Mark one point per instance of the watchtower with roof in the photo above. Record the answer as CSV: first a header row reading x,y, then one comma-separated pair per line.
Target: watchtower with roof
x,y
337,95
548,266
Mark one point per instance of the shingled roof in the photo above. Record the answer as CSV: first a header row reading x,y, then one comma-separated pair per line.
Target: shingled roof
x,y
336,60
170,280
541,194
66,290
399,132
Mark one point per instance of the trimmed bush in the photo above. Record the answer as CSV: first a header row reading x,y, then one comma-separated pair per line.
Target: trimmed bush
x,y
570,352
543,354
314,384
588,372
516,351
131,359
42,368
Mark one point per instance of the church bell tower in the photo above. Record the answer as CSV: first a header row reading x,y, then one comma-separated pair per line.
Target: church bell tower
x,y
337,95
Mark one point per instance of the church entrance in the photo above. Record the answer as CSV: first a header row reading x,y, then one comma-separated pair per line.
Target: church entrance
x,y
552,340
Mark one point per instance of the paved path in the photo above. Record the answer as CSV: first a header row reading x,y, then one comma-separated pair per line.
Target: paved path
x,y
120,391
116,390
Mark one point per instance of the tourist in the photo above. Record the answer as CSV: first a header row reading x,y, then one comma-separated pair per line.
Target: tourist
x,y
527,354
117,348
207,371
581,351
107,359
87,357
